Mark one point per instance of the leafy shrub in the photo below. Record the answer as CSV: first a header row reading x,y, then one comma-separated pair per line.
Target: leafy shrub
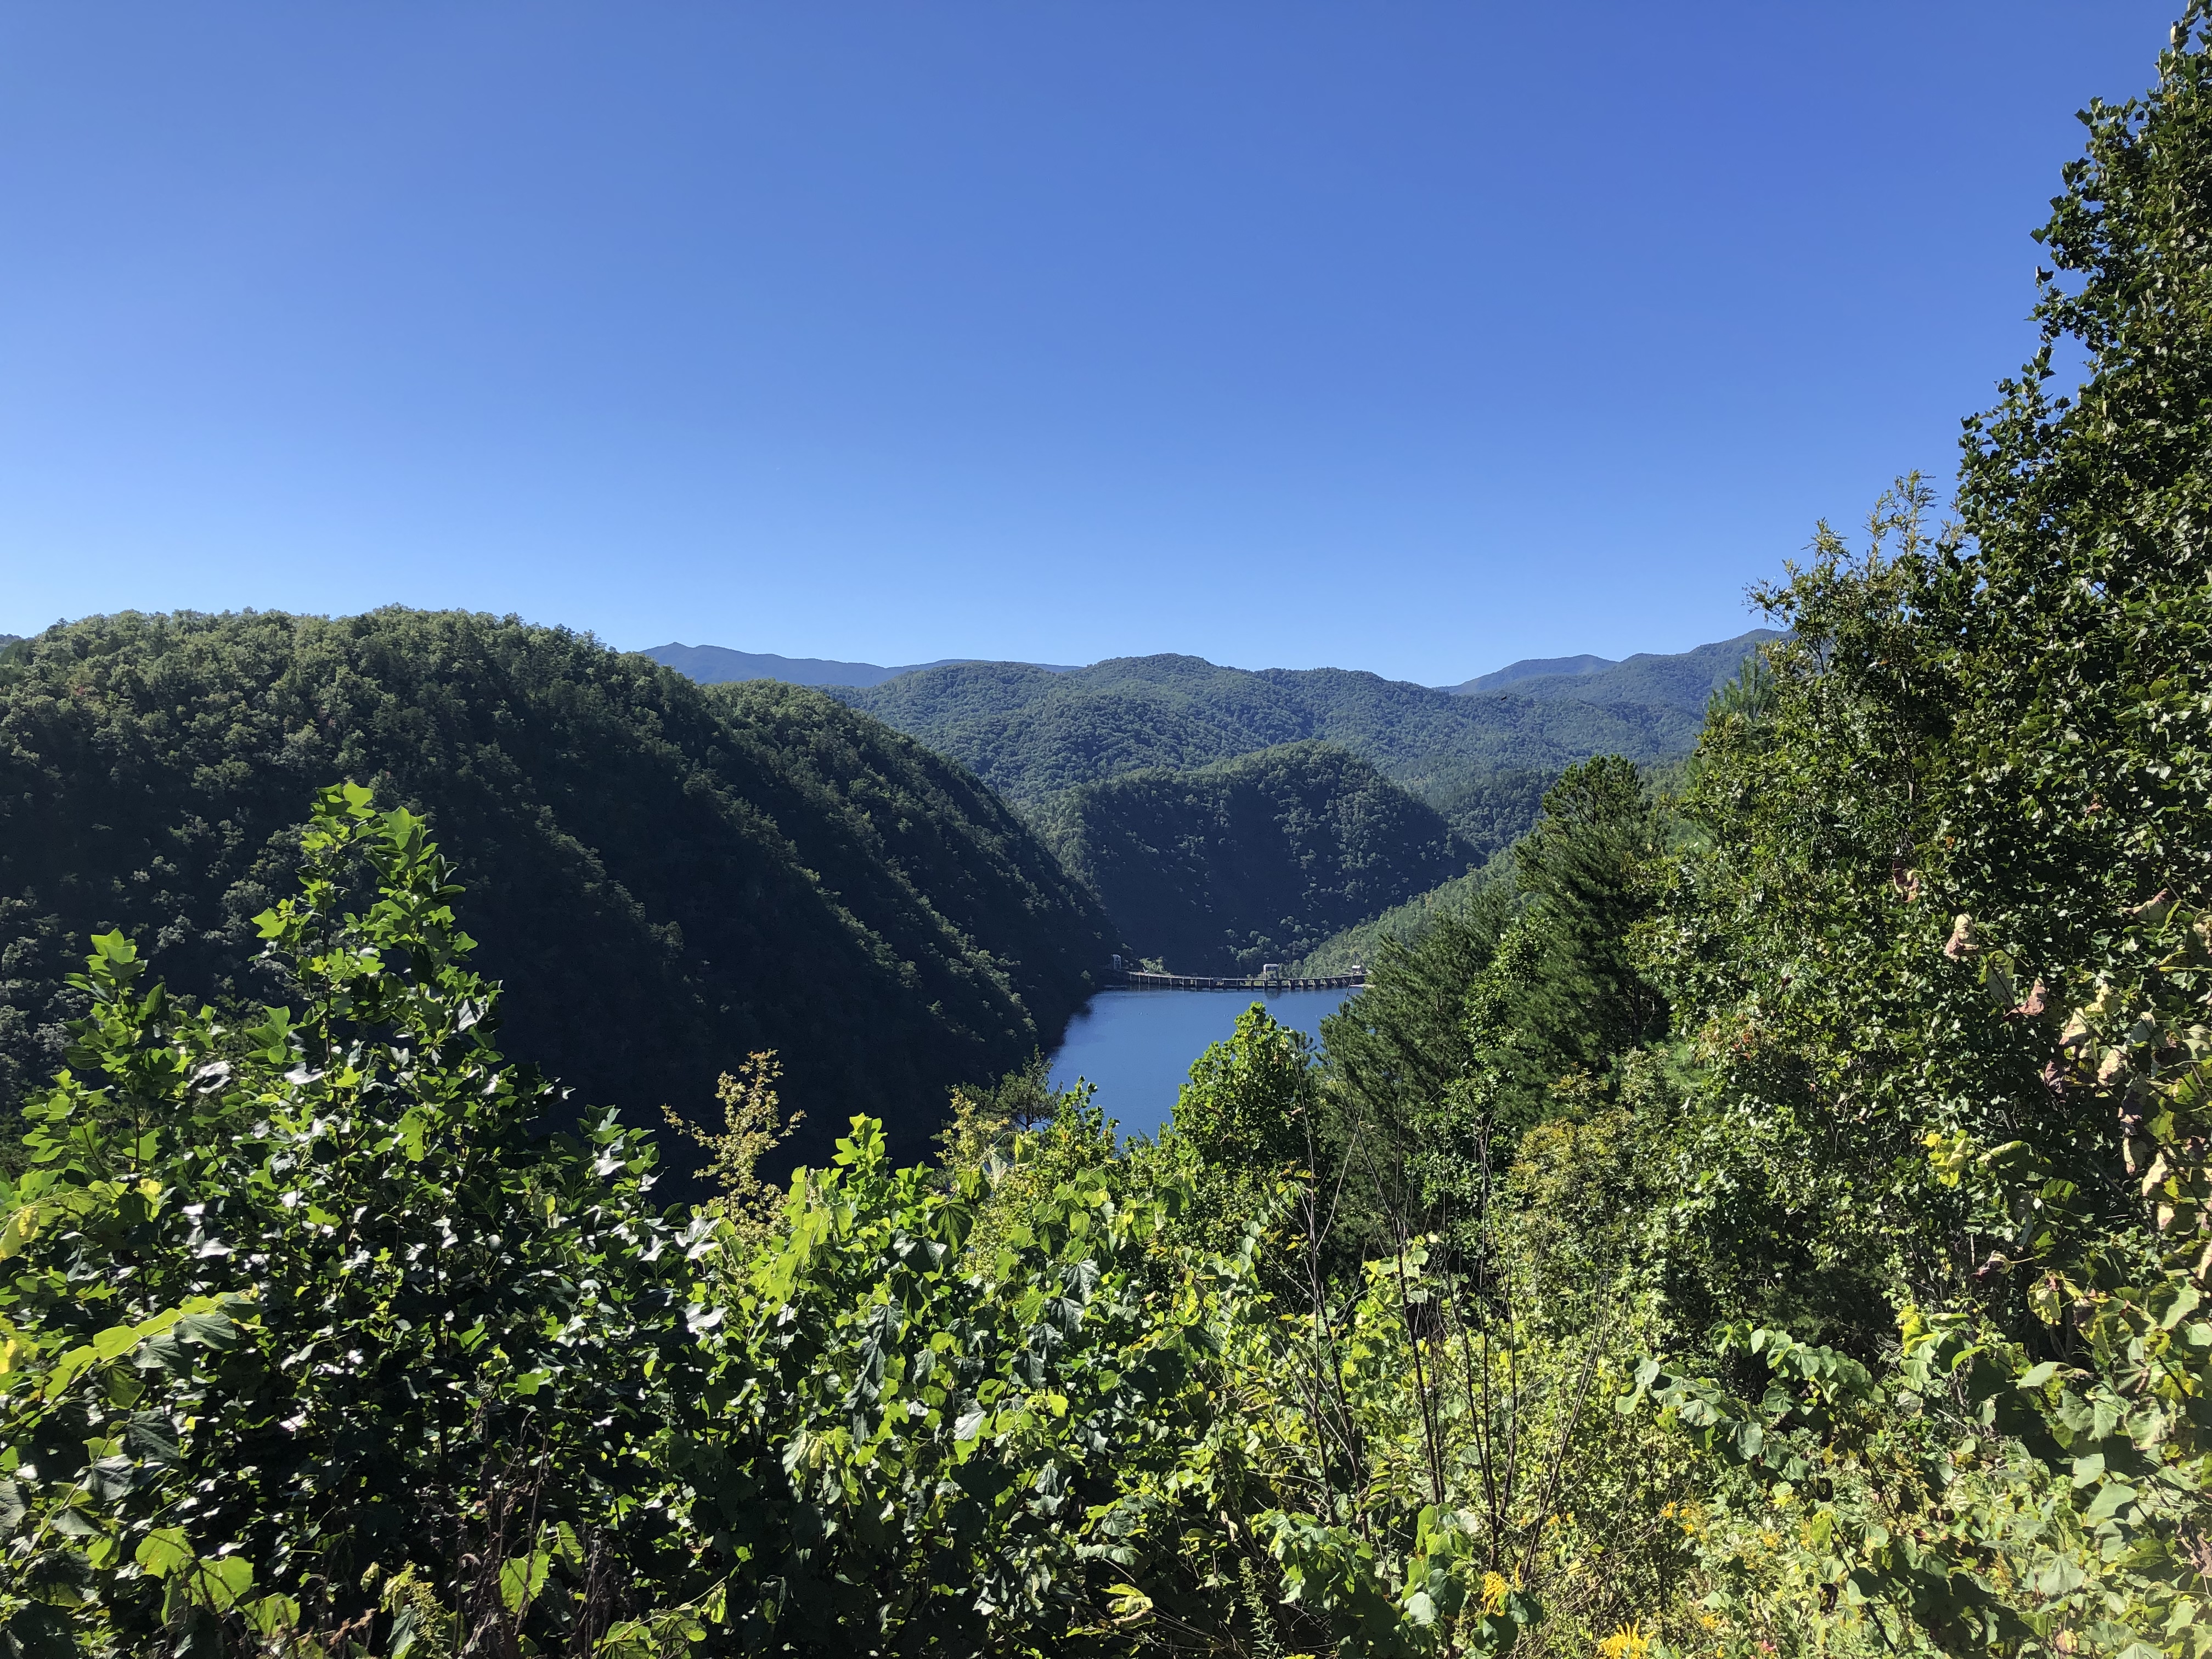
x,y
305,1309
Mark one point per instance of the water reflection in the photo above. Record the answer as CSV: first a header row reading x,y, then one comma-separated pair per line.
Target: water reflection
x,y
1136,1046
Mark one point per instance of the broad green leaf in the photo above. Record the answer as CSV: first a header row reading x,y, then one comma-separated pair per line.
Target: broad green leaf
x,y
163,1551
272,1615
521,1577
223,1581
209,1330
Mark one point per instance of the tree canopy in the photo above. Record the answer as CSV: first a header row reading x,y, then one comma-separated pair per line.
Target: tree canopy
x,y
666,878
1223,869
1481,759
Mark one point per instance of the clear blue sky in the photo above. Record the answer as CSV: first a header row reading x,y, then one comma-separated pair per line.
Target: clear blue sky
x,y
1417,336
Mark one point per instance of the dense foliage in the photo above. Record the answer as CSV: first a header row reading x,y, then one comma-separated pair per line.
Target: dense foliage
x,y
310,1345
1403,925
1221,869
707,874
305,1334
297,1309
1031,733
1771,1216
1946,946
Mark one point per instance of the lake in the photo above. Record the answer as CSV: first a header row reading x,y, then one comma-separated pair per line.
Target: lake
x,y
1136,1046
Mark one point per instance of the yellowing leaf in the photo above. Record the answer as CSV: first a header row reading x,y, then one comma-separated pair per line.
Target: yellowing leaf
x,y
18,1230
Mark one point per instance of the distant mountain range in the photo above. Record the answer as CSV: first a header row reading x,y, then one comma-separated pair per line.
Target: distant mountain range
x,y
1531,668
1682,680
715,664
1196,800
1031,733
1587,678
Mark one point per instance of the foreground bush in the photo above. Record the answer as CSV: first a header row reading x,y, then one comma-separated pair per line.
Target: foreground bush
x,y
313,1344
308,1331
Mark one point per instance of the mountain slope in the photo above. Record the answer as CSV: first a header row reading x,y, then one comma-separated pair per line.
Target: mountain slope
x,y
1255,859
1530,668
666,877
1680,681
1361,943
1030,732
716,664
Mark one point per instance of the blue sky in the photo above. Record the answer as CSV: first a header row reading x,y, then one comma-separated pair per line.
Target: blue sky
x,y
1415,336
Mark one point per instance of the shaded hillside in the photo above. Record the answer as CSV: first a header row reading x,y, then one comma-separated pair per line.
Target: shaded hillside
x,y
1361,944
1030,732
1254,860
1405,924
665,877
1489,810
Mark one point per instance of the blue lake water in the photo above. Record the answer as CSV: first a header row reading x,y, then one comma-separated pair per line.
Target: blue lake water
x,y
1136,1046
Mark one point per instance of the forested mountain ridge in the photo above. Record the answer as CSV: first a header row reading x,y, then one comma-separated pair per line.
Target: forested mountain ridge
x,y
1482,760
1030,732
1529,668
1480,753
716,664
1681,680
664,878
1221,869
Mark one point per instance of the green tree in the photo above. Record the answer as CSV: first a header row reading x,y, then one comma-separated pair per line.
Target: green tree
x,y
1944,957
1394,1051
1585,868
1247,1117
1463,1040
